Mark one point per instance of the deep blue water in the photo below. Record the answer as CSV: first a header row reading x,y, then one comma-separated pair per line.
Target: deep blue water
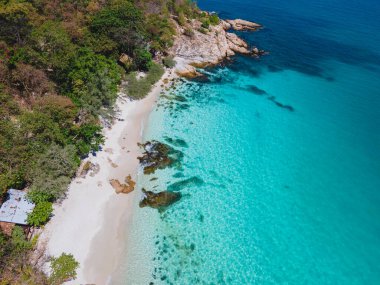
x,y
281,172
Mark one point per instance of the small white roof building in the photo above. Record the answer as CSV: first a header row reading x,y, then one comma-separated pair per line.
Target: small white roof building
x,y
15,208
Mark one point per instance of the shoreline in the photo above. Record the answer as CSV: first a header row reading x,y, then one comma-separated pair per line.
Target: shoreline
x,y
92,212
92,222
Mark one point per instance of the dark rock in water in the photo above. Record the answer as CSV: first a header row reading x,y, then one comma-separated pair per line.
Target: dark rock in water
x,y
159,200
158,155
287,107
256,90
202,78
180,98
178,175
254,72
258,52
184,106
192,181
176,142
177,98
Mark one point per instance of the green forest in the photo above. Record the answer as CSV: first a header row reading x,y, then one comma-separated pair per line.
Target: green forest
x,y
60,67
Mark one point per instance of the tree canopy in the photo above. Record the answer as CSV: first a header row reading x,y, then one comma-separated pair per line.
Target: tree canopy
x,y
59,76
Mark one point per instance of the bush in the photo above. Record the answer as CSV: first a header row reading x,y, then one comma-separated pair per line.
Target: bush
x,y
52,172
123,23
4,246
52,48
63,268
87,138
31,82
11,178
40,130
93,81
142,59
41,214
59,108
205,23
37,197
181,19
16,20
15,258
18,240
169,62
139,88
214,19
161,32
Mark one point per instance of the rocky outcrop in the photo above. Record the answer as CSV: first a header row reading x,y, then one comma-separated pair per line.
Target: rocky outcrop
x,y
126,188
158,155
125,60
236,44
159,200
184,69
201,47
243,25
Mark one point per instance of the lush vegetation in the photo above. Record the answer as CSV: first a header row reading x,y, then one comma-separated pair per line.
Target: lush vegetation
x,y
138,87
14,265
168,62
59,72
63,269
41,214
60,66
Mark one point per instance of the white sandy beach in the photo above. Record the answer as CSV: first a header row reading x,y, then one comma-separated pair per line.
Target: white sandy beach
x,y
90,223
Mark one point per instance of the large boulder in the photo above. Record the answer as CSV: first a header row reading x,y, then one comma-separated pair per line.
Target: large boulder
x,y
126,60
186,70
159,200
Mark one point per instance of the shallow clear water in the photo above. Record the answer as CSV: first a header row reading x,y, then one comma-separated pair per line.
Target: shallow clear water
x,y
281,171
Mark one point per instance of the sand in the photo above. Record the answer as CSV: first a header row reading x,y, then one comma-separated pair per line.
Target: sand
x,y
91,222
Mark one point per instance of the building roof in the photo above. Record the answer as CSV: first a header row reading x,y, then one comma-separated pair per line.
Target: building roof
x,y
16,207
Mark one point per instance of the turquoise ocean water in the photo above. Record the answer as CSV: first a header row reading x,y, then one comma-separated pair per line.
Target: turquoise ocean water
x,y
281,170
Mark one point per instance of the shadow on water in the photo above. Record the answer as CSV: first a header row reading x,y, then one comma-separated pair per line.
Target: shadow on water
x,y
253,89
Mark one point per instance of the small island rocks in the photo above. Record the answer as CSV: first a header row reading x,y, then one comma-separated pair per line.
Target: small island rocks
x,y
202,48
159,200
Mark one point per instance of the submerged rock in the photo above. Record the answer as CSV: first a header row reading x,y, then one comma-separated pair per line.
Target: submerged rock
x,y
256,90
279,104
159,200
189,182
176,142
158,155
126,188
